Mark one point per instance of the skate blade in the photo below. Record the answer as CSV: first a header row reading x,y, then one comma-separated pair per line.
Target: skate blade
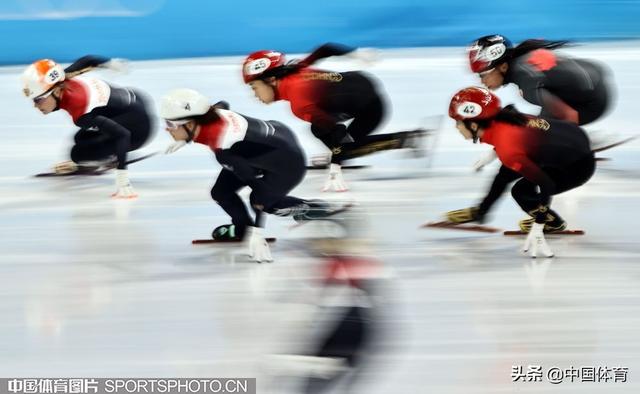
x,y
221,241
345,167
464,227
563,232
74,173
344,208
615,144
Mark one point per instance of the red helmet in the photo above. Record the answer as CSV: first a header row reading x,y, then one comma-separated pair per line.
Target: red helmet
x,y
487,52
257,63
474,104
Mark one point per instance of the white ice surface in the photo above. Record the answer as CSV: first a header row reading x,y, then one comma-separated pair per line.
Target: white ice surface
x,y
96,287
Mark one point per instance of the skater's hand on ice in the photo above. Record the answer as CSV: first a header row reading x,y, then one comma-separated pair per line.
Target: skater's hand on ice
x,y
535,242
175,146
335,181
123,186
258,246
466,215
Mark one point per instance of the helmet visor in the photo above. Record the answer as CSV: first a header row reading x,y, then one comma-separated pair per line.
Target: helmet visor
x,y
174,124
42,97
486,72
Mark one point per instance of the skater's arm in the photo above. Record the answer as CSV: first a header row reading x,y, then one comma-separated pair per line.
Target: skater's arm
x,y
324,126
503,178
90,62
323,52
327,50
86,63
534,174
308,110
241,168
119,134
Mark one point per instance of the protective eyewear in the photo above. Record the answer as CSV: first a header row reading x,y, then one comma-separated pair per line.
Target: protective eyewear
x,y
42,97
486,72
174,124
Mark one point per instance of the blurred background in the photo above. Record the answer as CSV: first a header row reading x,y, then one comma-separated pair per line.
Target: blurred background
x,y
154,29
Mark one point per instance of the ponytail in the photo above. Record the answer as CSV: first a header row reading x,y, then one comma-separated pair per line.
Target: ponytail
x,y
508,114
208,117
531,45
291,67
325,51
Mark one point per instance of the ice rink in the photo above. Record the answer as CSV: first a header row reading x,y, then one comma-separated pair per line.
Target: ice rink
x,y
95,287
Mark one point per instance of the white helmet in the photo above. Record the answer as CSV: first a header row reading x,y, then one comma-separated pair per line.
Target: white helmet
x,y
183,104
40,77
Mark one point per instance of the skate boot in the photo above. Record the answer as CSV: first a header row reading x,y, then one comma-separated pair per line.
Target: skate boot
x,y
313,210
226,232
415,142
552,224
65,167
98,165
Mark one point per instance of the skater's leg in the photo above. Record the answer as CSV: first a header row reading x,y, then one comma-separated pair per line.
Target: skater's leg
x,y
364,143
138,120
96,145
367,120
378,143
348,341
225,193
270,192
575,175
91,145
526,195
363,124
